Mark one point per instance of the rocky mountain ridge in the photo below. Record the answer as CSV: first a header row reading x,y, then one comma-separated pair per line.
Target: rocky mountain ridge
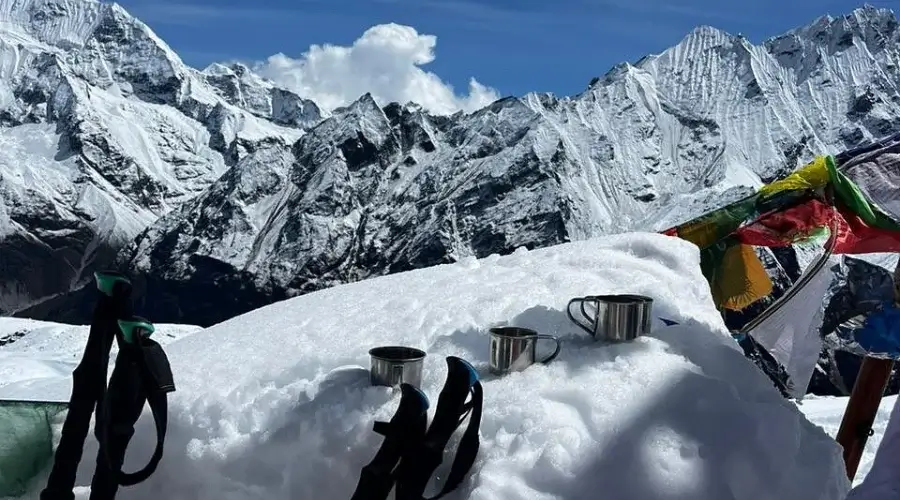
x,y
107,129
223,192
373,190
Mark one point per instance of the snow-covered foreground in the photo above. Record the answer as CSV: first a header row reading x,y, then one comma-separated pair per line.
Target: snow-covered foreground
x,y
276,403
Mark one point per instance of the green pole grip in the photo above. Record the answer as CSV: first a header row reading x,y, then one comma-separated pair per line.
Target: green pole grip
x,y
136,326
106,281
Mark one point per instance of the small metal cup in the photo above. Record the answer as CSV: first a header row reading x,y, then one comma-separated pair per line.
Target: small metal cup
x,y
617,318
395,365
513,348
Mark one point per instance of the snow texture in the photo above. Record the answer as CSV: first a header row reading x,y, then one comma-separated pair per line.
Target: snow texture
x,y
276,403
827,412
375,190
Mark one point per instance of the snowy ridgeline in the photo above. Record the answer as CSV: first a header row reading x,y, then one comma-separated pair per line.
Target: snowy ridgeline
x,y
275,404
105,132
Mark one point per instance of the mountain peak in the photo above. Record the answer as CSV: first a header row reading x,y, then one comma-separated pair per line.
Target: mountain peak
x,y
217,69
705,36
864,17
227,68
364,105
71,24
697,41
705,30
63,23
870,12
868,23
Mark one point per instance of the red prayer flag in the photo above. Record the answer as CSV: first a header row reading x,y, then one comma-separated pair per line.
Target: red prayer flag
x,y
850,234
787,226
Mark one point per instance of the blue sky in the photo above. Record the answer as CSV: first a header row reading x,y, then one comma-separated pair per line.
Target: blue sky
x,y
515,46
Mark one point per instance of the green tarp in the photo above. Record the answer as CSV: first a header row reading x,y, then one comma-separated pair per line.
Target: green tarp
x,y
26,442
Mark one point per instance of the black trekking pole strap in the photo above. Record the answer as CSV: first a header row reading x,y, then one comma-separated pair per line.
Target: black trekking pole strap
x,y
415,471
159,408
154,381
417,466
468,445
404,431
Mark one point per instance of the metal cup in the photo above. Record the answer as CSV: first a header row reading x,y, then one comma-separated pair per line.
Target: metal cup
x,y
394,365
513,348
617,318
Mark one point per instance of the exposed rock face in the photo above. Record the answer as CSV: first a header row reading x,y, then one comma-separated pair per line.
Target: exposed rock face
x,y
374,190
105,129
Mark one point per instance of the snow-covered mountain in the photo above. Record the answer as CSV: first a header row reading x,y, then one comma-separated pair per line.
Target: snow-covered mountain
x,y
375,190
104,129
246,208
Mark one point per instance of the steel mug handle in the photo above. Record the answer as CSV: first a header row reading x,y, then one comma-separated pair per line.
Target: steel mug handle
x,y
555,352
580,301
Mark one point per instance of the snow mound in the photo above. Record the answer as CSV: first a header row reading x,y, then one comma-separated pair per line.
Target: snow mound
x,y
276,403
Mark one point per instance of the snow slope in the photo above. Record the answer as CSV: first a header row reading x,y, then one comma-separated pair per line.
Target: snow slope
x,y
106,129
375,190
34,355
276,403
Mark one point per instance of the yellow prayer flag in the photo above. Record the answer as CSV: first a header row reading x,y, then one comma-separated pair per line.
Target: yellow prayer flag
x,y
812,176
741,279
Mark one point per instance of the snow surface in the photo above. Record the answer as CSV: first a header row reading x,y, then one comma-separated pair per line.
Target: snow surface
x,y
827,412
37,357
276,403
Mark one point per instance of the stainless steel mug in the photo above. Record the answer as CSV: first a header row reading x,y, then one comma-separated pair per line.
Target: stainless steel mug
x,y
513,348
394,365
616,318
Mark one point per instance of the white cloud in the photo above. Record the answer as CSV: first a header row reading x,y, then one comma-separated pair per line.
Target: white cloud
x,y
385,61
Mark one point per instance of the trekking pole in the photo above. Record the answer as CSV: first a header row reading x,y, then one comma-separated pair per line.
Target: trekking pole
x,y
417,466
88,383
405,430
142,374
410,454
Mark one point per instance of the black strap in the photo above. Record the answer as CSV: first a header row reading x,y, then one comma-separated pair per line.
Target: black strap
x,y
88,390
405,430
376,479
154,382
119,410
159,407
421,462
468,445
